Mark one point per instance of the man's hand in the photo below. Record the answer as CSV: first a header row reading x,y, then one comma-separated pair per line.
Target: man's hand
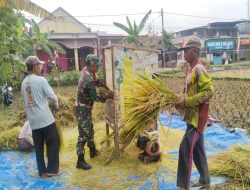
x,y
95,77
53,110
181,104
110,95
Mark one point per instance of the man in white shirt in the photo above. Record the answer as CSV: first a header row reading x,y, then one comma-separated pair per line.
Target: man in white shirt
x,y
224,59
35,92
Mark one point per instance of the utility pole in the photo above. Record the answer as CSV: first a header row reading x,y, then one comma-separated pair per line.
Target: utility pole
x,y
163,46
248,9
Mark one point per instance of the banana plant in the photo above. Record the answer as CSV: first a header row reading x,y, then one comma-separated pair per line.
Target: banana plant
x,y
134,30
39,41
27,6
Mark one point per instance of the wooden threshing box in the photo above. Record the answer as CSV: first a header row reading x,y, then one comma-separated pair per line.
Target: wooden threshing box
x,y
114,58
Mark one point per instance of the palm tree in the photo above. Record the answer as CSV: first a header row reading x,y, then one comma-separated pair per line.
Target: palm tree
x,y
26,5
133,31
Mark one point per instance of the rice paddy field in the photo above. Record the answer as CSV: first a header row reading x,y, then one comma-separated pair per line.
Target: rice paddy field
x,y
234,73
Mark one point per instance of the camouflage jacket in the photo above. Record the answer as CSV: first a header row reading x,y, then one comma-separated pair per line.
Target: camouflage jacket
x,y
86,92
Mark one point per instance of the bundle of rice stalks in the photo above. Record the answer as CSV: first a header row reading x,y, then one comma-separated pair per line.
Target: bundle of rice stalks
x,y
8,138
234,163
65,116
103,91
11,118
143,98
98,112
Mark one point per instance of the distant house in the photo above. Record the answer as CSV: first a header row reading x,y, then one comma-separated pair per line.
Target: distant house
x,y
73,36
76,39
233,38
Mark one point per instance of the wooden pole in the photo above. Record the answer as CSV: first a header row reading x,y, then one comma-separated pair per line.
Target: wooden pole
x,y
116,140
163,46
107,134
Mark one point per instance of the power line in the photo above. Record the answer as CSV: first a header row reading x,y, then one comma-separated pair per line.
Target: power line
x,y
149,25
99,24
181,20
196,16
154,19
132,14
106,15
153,27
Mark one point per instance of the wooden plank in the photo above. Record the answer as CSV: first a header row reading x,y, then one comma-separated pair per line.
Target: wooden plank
x,y
131,47
107,133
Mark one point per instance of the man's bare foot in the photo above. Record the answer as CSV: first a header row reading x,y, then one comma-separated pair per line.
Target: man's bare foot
x,y
181,188
52,175
44,176
203,186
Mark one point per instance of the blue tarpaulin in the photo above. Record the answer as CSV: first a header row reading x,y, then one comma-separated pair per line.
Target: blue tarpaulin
x,y
18,170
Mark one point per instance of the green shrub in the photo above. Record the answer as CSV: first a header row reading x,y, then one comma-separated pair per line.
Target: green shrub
x,y
12,74
52,80
70,78
65,79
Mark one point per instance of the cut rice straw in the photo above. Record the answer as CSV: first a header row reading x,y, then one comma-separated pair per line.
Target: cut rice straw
x,y
143,98
234,163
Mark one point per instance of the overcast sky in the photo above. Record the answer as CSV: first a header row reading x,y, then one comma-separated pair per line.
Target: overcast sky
x,y
227,10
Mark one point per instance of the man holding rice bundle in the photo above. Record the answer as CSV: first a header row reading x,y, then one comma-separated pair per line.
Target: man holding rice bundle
x,y
35,91
198,90
86,96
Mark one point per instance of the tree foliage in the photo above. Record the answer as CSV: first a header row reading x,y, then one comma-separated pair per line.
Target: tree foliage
x,y
38,41
27,6
16,45
11,36
134,30
167,39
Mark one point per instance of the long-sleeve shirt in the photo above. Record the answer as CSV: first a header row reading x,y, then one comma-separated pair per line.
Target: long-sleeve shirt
x,y
26,133
35,92
199,89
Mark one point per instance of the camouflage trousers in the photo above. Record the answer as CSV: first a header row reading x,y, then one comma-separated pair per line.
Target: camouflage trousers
x,y
86,131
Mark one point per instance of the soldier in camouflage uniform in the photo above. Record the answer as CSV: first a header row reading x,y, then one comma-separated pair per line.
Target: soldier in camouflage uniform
x,y
86,96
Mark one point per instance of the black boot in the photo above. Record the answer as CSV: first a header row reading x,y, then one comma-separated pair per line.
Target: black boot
x,y
92,150
82,164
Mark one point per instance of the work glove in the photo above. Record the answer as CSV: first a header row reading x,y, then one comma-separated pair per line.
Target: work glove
x,y
110,95
102,98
